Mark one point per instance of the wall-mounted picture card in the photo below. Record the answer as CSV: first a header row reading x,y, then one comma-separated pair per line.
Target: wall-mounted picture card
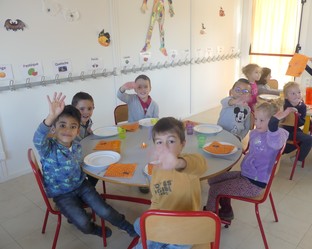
x,y
32,69
95,63
145,57
6,72
126,61
62,66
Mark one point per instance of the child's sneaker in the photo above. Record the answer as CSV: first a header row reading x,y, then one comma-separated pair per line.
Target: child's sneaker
x,y
98,231
227,216
127,227
144,190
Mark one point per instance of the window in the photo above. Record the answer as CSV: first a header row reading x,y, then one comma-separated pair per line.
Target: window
x,y
275,28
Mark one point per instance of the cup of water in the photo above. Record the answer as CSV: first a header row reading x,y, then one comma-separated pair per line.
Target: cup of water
x,y
201,140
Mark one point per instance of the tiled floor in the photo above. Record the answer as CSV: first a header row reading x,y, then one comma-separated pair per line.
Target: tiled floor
x,y
22,211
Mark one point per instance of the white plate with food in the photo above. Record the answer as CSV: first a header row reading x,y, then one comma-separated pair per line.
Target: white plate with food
x,y
102,158
220,148
148,122
269,97
107,131
208,128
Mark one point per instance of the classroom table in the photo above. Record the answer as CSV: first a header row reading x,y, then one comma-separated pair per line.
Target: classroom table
x,y
131,151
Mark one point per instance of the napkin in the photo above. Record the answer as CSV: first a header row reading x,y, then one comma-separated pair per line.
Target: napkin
x,y
125,170
130,127
218,148
108,145
150,169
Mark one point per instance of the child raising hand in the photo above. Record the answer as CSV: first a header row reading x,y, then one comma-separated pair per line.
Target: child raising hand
x,y
140,105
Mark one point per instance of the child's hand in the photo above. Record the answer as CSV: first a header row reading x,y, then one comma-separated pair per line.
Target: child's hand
x,y
167,160
129,85
56,106
283,114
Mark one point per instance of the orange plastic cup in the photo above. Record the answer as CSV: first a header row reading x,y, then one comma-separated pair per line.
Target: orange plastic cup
x,y
308,96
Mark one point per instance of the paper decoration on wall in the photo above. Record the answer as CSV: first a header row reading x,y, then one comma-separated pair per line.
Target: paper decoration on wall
x,y
6,72
202,31
297,65
51,8
104,38
221,12
71,15
62,66
158,14
14,25
32,69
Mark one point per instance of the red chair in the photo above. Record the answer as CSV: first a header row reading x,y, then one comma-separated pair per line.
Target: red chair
x,y
50,205
292,120
259,199
198,228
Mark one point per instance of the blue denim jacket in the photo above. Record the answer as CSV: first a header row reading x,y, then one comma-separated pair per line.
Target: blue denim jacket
x,y
61,166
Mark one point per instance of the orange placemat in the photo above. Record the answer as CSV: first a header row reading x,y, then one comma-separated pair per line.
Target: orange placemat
x,y
218,148
125,170
131,127
150,169
108,145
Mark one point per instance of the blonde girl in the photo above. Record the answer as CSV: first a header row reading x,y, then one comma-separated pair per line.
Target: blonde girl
x,y
253,74
264,143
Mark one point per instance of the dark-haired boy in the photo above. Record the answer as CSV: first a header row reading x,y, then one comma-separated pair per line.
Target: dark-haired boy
x,y
64,180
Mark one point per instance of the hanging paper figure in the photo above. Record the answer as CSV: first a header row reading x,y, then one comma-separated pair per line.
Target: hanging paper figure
x,y
221,12
14,25
202,31
158,14
104,38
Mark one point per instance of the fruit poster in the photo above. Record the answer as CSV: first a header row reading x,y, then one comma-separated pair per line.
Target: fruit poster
x,y
32,69
6,72
62,66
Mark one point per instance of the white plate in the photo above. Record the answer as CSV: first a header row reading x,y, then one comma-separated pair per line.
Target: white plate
x,y
208,128
146,167
268,96
232,152
107,131
147,122
102,158
146,170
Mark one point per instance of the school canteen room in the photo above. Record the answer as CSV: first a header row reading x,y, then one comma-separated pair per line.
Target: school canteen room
x,y
96,46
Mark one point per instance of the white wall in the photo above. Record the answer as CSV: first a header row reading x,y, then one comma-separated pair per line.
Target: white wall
x,y
180,91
